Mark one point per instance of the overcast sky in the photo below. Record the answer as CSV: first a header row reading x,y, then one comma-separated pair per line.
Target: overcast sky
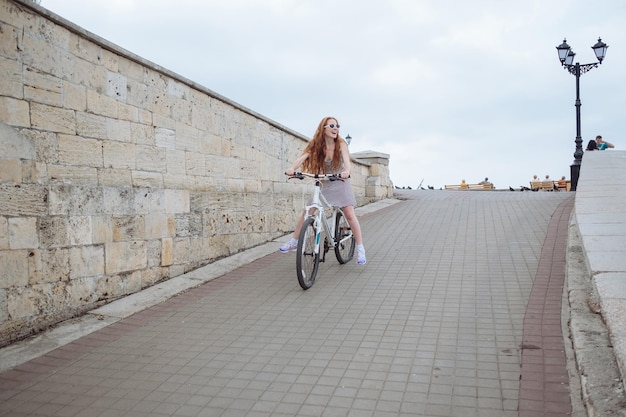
x,y
449,89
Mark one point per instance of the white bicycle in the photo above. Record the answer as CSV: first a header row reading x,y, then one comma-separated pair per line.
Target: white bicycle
x,y
338,234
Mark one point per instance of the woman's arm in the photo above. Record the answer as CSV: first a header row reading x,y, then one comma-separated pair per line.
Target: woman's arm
x,y
297,163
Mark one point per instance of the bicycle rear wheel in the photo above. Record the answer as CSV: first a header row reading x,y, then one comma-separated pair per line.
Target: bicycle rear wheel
x,y
307,261
344,240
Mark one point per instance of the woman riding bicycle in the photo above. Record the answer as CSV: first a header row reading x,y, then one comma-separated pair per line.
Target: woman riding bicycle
x,y
327,153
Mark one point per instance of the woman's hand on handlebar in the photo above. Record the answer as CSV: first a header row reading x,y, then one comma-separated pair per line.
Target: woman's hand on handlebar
x,y
290,172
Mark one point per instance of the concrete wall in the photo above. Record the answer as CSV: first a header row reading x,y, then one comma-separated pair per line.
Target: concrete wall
x,y
600,214
116,174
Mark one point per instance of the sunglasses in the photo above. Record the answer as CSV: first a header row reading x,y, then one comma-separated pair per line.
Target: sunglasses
x,y
332,126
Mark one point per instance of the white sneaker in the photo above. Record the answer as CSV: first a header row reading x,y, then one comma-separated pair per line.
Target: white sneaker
x,y
360,255
290,246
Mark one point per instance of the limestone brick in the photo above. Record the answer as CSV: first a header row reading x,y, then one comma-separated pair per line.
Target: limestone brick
x,y
158,226
125,256
209,144
34,172
23,233
14,145
101,104
116,86
44,54
150,158
175,162
53,119
10,171
176,270
79,230
76,150
73,174
138,95
4,306
126,228
25,200
131,282
117,200
181,250
167,251
53,232
165,138
147,200
114,177
180,111
66,199
11,70
13,268
14,112
51,265
177,181
4,233
101,229
43,88
157,101
176,201
46,145
131,69
154,253
118,155
8,42
25,302
154,275
177,89
187,138
144,179
195,163
142,134
90,125
127,112
81,291
198,248
145,117
111,61
188,224
118,130
85,49
86,261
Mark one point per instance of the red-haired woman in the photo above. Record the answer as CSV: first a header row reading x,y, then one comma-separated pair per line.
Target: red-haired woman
x,y
327,153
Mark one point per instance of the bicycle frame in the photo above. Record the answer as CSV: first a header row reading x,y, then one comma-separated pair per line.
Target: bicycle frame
x,y
339,233
319,204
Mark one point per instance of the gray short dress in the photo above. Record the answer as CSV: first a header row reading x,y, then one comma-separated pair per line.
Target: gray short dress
x,y
338,193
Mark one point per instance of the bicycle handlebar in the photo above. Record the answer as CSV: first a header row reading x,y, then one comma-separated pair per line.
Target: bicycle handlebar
x,y
329,177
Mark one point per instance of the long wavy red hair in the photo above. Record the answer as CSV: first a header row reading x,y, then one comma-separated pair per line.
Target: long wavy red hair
x,y
316,150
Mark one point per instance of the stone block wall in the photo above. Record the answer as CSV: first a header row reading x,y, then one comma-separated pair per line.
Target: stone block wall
x,y
116,174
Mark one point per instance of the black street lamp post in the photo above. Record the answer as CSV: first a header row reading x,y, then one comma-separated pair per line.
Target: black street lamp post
x,y
566,56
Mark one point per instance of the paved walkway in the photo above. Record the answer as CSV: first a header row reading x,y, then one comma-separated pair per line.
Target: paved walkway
x,y
459,301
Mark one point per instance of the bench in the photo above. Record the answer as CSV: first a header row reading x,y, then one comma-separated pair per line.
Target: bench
x,y
470,187
543,185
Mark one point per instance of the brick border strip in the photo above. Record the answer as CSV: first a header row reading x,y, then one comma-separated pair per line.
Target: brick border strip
x,y
544,380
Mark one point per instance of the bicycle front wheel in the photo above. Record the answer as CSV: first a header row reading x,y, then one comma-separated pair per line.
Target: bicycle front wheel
x,y
307,261
344,240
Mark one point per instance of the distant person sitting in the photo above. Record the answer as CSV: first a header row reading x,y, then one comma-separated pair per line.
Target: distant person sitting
x,y
602,145
485,181
464,185
592,145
